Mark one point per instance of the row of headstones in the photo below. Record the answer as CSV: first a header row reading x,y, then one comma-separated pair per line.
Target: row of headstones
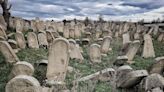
x,y
138,80
131,48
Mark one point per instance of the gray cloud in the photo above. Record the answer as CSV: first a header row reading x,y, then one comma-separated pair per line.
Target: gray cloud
x,y
68,8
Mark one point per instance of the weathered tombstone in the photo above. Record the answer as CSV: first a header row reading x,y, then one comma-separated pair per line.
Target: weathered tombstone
x,y
32,40
106,44
72,33
132,78
151,82
50,36
66,31
156,27
23,83
157,66
132,50
148,50
58,60
20,40
22,68
19,26
8,52
42,38
75,52
126,38
95,53
77,32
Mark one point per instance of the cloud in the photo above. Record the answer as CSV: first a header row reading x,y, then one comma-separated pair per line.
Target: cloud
x,y
66,9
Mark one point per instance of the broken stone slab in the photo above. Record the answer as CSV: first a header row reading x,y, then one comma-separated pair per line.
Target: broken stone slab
x,y
157,66
121,60
152,81
108,73
8,52
22,68
23,83
132,78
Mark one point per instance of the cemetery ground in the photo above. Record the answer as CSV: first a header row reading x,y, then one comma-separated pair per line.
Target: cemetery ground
x,y
80,69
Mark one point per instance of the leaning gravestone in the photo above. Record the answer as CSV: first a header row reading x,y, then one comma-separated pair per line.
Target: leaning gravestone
x,y
23,83
58,60
106,44
20,40
75,52
132,50
22,68
95,53
42,38
50,36
8,52
148,50
32,40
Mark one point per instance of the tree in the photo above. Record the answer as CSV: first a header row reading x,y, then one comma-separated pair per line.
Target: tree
x,y
6,12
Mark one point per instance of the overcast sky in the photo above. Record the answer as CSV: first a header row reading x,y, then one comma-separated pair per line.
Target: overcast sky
x,y
67,9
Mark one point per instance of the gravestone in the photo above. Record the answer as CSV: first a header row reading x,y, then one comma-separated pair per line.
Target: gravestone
x,y
20,40
22,68
126,38
75,52
66,31
32,40
58,59
72,33
50,37
95,53
148,50
106,44
132,50
8,52
42,39
23,83
77,32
